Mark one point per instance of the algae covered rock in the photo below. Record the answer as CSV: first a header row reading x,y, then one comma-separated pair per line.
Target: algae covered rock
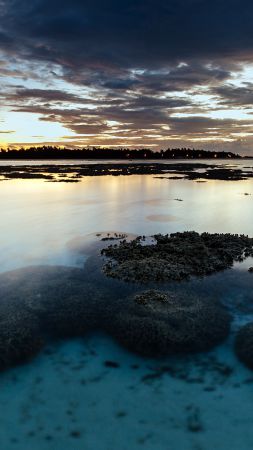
x,y
244,345
50,302
45,301
158,323
20,337
64,302
175,257
74,313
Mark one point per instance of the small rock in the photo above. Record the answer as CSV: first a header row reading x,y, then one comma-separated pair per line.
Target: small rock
x,y
244,345
193,421
112,364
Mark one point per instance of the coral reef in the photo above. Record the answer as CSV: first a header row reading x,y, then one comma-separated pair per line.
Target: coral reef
x,y
176,256
20,337
64,303
61,302
156,323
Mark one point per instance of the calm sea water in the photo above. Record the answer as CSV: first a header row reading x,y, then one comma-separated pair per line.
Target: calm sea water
x,y
40,219
227,162
66,398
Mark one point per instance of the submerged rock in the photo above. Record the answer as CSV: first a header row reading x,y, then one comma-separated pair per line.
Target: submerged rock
x,y
20,336
244,345
63,301
158,323
76,313
176,256
57,302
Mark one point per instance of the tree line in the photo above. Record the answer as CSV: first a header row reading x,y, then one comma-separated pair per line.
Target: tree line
x,y
51,152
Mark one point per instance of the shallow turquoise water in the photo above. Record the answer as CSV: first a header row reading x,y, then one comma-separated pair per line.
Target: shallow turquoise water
x,y
67,397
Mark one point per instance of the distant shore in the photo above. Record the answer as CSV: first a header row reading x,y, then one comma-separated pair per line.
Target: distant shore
x,y
73,173
48,152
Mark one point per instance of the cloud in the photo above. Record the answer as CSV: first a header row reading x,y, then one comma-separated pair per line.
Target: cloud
x,y
129,33
43,95
7,132
137,63
235,96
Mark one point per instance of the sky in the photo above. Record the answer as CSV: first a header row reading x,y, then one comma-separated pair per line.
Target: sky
x,y
127,73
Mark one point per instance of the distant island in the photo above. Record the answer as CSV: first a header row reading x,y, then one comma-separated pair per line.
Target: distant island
x,y
50,152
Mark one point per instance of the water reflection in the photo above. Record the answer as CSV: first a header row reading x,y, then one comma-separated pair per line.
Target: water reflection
x,y
38,218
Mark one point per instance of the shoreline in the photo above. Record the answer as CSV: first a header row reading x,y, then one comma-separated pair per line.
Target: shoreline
x,y
194,171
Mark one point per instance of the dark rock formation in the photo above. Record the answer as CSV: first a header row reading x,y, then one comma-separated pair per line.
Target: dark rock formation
x,y
174,171
244,345
44,302
157,323
63,301
176,256
20,337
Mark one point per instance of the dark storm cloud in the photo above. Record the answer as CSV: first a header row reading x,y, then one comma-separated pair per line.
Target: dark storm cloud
x,y
129,33
182,77
5,40
179,77
119,84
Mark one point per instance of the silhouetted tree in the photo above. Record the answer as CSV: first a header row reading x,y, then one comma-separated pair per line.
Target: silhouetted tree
x,y
51,152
